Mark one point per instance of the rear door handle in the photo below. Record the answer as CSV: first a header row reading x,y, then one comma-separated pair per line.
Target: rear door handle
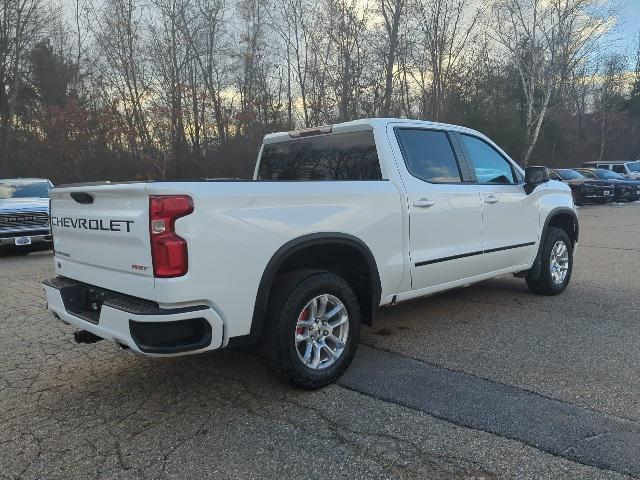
x,y
423,203
491,199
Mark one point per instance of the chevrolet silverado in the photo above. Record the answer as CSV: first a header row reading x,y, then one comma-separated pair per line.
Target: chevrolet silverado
x,y
337,221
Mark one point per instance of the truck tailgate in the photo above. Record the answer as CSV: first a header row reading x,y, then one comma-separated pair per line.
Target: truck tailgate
x,y
101,236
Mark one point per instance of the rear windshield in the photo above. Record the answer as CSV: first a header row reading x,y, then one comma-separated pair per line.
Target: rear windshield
x,y
344,156
24,189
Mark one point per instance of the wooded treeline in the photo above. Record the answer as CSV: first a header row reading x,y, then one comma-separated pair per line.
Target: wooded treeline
x,y
133,89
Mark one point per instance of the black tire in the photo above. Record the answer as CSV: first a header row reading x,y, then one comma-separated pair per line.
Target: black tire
x,y
545,284
278,346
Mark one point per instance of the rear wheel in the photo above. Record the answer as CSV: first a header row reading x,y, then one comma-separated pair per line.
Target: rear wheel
x,y
557,264
313,329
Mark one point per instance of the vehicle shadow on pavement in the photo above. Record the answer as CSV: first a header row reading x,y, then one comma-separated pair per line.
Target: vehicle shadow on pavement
x,y
6,252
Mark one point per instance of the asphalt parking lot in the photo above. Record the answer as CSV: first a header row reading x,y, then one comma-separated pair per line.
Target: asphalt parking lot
x,y
484,382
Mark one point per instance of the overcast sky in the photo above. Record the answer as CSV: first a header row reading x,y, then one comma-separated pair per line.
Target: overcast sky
x,y
631,18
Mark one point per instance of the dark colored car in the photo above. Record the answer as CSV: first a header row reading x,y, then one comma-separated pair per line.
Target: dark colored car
x,y
584,189
24,213
626,189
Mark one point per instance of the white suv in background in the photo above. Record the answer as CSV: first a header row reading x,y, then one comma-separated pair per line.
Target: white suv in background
x,y
628,169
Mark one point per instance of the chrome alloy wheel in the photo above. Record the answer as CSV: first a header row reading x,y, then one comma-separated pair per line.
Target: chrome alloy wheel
x,y
322,330
559,264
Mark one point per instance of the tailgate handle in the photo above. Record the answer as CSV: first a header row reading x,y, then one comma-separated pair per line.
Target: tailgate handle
x,y
82,197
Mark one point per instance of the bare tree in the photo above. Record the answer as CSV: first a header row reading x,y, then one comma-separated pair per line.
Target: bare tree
x,y
392,12
347,23
545,40
118,31
22,22
445,30
206,37
180,88
169,59
610,95
292,20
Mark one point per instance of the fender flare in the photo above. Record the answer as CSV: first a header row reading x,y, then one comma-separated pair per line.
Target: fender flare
x,y
281,255
536,268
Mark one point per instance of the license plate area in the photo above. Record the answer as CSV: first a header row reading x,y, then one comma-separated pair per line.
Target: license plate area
x,y
22,241
81,300
85,301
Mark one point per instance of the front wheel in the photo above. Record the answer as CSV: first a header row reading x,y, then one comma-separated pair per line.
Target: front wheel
x,y
557,264
313,329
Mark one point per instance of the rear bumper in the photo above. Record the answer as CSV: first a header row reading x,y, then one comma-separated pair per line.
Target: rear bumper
x,y
135,323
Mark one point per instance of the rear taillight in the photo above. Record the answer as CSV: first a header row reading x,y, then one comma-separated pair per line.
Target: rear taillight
x,y
168,249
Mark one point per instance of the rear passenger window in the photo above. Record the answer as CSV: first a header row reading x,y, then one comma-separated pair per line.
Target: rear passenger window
x,y
344,156
489,165
428,155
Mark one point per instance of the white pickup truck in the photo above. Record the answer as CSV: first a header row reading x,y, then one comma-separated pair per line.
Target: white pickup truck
x,y
337,221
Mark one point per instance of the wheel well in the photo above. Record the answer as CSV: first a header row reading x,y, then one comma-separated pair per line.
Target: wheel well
x,y
338,253
565,219
344,259
568,223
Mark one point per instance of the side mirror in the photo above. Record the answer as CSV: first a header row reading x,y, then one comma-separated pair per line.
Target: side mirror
x,y
534,176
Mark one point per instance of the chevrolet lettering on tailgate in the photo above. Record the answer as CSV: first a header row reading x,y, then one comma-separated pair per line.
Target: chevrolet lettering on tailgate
x,y
92,224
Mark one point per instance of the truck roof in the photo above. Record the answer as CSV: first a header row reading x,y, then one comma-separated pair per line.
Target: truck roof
x,y
24,180
611,162
359,125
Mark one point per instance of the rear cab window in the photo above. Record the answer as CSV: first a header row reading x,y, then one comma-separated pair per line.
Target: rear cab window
x,y
429,155
338,156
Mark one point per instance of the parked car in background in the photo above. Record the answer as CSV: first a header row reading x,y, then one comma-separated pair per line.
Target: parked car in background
x,y
24,213
626,189
585,190
630,169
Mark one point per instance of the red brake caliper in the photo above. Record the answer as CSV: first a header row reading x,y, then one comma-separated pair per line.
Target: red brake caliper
x,y
303,316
